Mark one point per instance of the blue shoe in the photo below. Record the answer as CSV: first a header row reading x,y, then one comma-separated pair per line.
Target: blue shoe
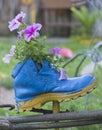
x,y
30,81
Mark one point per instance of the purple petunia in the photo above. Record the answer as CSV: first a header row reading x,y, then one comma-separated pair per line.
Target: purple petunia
x,y
55,50
16,22
7,57
32,31
20,17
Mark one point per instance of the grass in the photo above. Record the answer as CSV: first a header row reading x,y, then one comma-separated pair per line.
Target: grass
x,y
94,101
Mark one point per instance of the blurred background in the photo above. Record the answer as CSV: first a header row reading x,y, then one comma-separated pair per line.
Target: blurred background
x,y
56,16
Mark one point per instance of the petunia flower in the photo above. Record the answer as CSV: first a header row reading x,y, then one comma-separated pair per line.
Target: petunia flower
x,y
63,74
32,31
16,22
20,17
63,52
7,57
55,50
66,52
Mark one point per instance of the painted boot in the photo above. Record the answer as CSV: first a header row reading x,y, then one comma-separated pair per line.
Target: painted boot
x,y
30,82
34,87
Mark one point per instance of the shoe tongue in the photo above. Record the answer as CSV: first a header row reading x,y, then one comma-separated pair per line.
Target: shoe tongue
x,y
45,67
48,69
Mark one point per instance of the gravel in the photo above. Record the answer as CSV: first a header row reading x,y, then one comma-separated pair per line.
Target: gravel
x,y
6,96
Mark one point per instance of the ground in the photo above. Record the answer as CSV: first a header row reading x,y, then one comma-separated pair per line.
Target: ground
x,y
6,96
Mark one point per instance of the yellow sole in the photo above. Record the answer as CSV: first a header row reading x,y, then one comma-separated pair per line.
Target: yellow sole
x,y
48,97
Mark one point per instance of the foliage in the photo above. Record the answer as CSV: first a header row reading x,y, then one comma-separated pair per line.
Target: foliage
x,y
35,49
86,18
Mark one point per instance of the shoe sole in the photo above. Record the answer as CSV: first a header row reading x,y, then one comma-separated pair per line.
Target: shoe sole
x,y
41,99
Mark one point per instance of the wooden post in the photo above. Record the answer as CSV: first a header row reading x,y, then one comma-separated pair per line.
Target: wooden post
x,y
56,109
33,12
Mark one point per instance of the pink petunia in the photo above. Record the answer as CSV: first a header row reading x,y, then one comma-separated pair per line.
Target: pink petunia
x,y
66,52
16,22
32,31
